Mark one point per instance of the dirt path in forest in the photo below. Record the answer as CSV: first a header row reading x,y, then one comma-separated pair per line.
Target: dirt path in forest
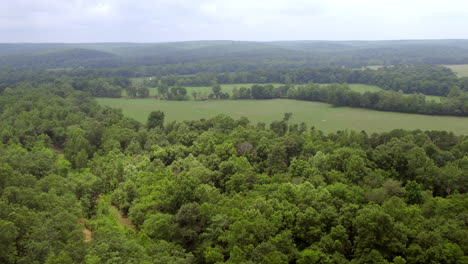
x,y
123,219
87,233
57,149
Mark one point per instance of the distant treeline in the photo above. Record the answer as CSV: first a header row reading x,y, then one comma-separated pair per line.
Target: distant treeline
x,y
455,104
399,80
427,79
430,80
341,95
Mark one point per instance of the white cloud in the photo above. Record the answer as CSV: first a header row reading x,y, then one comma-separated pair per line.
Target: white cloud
x,y
172,20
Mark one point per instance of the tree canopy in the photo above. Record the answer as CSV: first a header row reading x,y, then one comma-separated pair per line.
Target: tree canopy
x,y
81,183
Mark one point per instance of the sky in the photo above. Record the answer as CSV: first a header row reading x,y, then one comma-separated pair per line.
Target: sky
x,y
75,21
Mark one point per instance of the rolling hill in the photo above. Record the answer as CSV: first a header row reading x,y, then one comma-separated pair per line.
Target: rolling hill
x,y
278,54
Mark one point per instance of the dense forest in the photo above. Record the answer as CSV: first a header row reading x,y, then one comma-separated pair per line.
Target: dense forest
x,y
191,57
81,183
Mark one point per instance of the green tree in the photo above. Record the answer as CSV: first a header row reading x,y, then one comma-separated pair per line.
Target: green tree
x,y
143,92
131,91
216,89
163,89
8,238
413,193
155,119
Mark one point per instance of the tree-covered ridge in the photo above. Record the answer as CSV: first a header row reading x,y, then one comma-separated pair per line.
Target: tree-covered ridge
x,y
220,190
222,56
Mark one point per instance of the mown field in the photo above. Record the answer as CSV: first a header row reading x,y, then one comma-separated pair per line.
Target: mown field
x,y
204,91
320,115
461,70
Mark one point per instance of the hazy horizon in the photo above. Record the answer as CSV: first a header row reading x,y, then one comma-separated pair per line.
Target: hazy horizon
x,y
234,40
144,21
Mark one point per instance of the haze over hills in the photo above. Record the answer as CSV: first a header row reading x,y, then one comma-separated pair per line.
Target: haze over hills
x,y
277,54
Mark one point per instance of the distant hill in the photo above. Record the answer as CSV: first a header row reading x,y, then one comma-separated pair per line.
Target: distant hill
x,y
201,49
244,54
59,58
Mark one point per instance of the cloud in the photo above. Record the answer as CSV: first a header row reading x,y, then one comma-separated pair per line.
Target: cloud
x,y
175,20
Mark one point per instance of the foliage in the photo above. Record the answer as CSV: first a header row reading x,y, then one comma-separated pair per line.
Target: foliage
x,y
220,189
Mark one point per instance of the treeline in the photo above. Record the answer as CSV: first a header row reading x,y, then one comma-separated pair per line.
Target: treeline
x,y
341,95
169,88
426,79
456,104
220,190
430,80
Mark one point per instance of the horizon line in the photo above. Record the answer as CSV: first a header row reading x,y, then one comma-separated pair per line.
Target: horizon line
x,y
231,40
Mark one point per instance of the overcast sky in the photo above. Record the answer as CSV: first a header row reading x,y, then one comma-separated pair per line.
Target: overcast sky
x,y
263,20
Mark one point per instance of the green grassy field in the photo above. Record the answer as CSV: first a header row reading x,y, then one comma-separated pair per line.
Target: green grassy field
x,y
433,98
320,115
204,91
373,67
362,88
460,70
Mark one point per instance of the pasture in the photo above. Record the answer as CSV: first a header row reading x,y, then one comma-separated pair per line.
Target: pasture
x,y
321,115
362,88
204,91
461,70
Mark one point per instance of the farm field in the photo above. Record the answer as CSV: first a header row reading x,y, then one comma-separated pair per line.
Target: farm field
x,y
362,88
321,115
229,87
204,91
461,70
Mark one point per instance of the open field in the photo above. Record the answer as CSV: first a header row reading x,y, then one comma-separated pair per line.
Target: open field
x,y
461,70
362,88
373,67
204,91
320,115
434,98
